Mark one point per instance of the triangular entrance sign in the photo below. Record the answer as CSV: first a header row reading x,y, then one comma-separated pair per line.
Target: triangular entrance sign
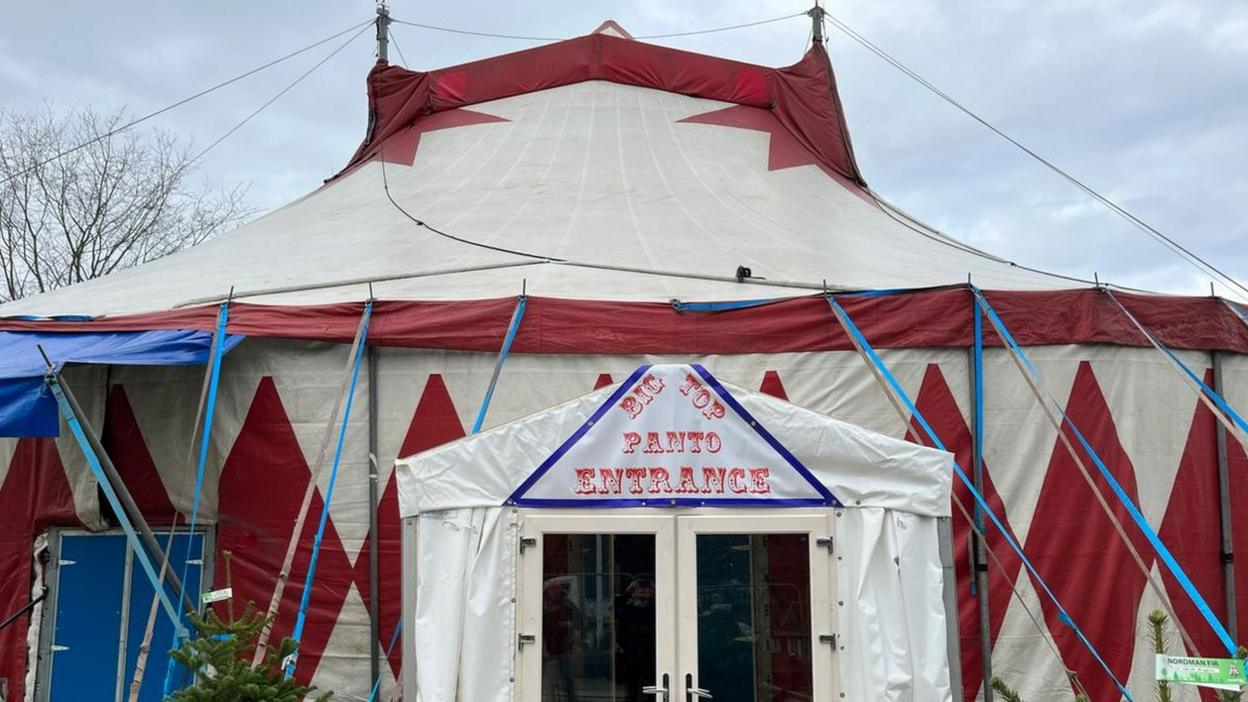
x,y
671,436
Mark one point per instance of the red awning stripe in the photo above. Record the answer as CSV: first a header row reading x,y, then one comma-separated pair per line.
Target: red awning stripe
x,y
920,319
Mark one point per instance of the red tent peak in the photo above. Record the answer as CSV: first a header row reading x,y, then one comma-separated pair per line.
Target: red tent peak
x,y
611,28
802,97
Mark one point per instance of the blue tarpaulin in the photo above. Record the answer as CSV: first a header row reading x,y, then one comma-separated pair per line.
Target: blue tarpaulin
x,y
27,407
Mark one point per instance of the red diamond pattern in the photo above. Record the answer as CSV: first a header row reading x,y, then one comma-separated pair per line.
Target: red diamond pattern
x,y
123,440
937,404
1192,532
1075,548
261,486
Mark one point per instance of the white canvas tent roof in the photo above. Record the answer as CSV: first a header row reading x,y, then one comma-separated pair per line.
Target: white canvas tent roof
x,y
621,169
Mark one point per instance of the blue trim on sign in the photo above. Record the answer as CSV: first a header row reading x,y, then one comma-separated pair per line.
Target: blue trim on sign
x,y
828,497
669,502
517,497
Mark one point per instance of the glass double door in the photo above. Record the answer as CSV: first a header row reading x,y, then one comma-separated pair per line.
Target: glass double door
x,y
735,606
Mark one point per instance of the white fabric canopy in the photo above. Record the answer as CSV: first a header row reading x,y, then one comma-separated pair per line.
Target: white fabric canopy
x,y
596,173
889,573
859,467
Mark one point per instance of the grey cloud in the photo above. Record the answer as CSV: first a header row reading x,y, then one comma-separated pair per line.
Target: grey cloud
x,y
1146,100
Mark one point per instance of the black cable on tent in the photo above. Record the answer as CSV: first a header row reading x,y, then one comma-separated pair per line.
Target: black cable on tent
x,y
385,184
1180,250
139,120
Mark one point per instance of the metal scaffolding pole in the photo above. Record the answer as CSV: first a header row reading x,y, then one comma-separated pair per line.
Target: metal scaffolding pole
x,y
1224,502
124,496
373,501
979,556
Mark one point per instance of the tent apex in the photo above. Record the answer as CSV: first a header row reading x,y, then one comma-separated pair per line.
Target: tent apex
x,y
612,28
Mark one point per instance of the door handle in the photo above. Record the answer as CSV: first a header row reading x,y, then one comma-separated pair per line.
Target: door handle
x,y
692,693
661,691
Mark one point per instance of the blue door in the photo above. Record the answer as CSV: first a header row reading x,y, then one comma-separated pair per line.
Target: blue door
x,y
103,597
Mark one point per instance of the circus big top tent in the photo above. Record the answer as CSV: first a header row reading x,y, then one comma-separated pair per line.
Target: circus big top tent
x,y
566,214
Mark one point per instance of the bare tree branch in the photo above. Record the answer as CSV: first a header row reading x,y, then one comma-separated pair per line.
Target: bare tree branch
x,y
110,205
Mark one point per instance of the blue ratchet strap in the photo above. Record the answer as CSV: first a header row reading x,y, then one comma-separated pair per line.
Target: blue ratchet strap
x,y
977,360
214,383
502,357
719,306
1209,392
75,427
310,578
1062,614
394,639
1171,564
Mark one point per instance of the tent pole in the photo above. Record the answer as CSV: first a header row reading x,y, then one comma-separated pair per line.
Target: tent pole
x,y
373,538
383,32
816,19
408,580
1224,502
953,644
123,494
979,564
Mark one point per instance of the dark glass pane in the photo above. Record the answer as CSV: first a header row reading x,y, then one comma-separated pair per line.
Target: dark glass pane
x,y
754,617
598,620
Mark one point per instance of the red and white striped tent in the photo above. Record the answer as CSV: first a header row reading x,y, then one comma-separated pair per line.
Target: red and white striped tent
x,y
617,184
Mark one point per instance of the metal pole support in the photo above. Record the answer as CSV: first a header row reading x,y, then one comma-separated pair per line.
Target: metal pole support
x,y
1224,504
383,32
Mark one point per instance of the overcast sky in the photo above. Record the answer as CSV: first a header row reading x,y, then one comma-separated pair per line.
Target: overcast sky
x,y
1145,100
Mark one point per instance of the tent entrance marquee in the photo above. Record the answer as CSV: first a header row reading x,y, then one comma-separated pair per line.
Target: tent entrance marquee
x,y
676,534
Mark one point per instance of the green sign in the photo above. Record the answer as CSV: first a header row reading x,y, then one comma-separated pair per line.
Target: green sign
x,y
1220,673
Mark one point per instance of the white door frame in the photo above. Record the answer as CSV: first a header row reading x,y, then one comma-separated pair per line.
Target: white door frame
x,y
675,565
817,525
535,524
